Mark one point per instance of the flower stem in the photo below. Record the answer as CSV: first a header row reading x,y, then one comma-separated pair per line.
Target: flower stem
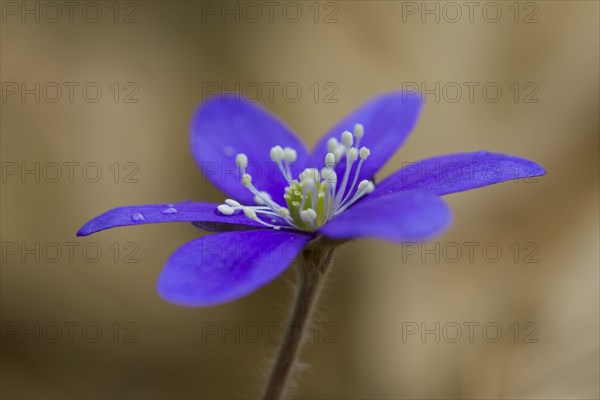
x,y
313,265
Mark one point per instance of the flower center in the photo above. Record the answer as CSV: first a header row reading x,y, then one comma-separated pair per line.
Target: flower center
x,y
315,197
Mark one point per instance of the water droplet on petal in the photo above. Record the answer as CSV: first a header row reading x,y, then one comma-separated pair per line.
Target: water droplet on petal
x,y
169,210
229,151
137,217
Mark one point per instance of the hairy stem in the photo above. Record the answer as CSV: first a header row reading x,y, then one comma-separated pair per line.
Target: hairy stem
x,y
313,265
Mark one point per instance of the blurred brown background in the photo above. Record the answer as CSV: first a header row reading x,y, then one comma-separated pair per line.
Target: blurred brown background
x,y
541,291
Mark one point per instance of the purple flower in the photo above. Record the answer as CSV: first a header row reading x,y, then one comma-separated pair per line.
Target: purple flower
x,y
282,196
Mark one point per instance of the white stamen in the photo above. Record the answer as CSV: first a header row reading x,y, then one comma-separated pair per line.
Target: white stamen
x,y
339,152
308,215
265,199
307,183
225,209
352,154
363,185
241,160
350,158
356,175
262,198
246,180
310,173
347,139
232,203
329,176
332,145
276,154
314,198
315,174
364,153
321,186
330,160
290,155
250,213
359,131
370,188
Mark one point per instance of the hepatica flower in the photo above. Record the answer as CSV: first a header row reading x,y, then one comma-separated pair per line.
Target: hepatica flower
x,y
282,196
287,203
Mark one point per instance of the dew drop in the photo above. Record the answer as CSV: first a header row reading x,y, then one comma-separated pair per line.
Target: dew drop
x,y
169,210
137,217
229,151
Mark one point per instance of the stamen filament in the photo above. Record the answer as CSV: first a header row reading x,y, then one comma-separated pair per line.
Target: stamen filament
x,y
285,171
353,181
342,188
360,193
260,195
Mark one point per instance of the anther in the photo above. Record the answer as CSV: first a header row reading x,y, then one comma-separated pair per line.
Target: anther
x,y
225,209
290,155
246,180
329,160
276,154
364,153
352,154
329,176
232,203
250,213
241,161
332,145
363,185
347,139
307,183
311,173
308,215
359,131
339,152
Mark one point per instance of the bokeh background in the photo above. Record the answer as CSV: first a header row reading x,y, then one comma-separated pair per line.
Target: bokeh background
x,y
155,61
